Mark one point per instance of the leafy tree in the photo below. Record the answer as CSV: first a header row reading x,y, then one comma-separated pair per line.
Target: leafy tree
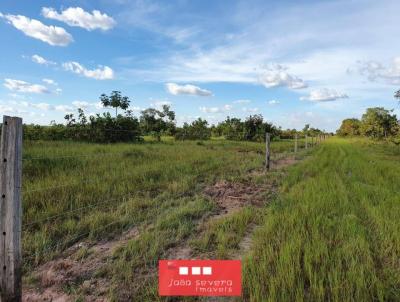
x,y
115,100
349,127
397,95
156,122
306,129
70,119
198,129
379,122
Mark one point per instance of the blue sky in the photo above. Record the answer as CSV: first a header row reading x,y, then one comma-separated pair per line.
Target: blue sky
x,y
294,62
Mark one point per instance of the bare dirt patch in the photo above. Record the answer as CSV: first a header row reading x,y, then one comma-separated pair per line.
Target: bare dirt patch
x,y
231,196
77,267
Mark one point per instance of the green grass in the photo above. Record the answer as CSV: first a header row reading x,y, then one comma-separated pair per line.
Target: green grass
x,y
334,232
97,191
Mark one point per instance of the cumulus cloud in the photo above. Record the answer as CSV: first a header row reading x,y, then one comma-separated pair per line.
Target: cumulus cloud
x,y
376,71
224,108
324,95
274,102
40,60
241,101
22,86
76,16
101,73
53,35
277,76
188,89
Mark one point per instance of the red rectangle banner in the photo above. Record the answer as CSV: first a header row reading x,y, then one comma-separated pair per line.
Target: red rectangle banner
x,y
200,277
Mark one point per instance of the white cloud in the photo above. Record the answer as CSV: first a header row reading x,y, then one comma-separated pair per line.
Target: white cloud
x,y
42,106
81,104
40,60
160,104
241,101
53,35
274,102
6,109
64,108
277,76
210,109
101,73
76,16
22,86
324,95
376,71
250,110
50,82
176,89
224,108
58,91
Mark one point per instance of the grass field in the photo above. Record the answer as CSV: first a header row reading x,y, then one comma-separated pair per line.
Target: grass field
x,y
333,234
78,192
324,229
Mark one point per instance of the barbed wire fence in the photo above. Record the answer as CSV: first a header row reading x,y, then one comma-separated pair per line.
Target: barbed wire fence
x,y
12,227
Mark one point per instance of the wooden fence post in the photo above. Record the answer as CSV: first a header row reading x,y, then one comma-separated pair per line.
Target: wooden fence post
x,y
10,209
295,143
306,138
267,150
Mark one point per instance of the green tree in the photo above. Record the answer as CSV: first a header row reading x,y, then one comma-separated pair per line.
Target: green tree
x,y
156,122
397,95
115,100
379,122
349,127
198,129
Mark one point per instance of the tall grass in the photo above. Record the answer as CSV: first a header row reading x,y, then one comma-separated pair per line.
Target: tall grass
x,y
94,191
334,232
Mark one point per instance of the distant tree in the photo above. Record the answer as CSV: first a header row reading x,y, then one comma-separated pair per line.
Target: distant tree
x,y
115,100
198,129
82,117
70,119
397,95
379,122
306,129
156,122
349,127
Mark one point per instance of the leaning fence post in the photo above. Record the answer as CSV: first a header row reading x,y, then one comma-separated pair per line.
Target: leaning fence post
x,y
295,143
10,208
267,150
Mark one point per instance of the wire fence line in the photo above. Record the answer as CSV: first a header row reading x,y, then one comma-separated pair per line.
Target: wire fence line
x,y
47,238
109,203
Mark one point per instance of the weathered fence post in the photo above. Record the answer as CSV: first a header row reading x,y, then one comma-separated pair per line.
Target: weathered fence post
x,y
306,144
10,209
267,150
295,143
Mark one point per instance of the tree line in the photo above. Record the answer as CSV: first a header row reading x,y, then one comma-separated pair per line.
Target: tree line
x,y
124,126
376,122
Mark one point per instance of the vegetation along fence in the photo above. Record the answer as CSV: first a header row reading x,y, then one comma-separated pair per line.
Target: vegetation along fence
x,y
13,259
